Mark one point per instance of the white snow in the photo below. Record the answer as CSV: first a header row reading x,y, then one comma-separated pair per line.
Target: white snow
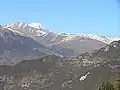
x,y
35,29
40,32
36,25
105,39
20,24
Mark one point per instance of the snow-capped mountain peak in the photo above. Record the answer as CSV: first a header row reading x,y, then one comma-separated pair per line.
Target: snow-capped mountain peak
x,y
36,25
23,24
15,25
30,29
36,29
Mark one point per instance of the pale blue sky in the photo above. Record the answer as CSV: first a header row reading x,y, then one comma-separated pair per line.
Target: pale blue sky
x,y
71,16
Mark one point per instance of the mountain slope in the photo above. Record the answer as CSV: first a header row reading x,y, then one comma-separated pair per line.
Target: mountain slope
x,y
54,74
15,46
85,72
78,46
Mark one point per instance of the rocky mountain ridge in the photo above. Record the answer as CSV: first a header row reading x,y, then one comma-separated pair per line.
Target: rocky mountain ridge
x,y
36,29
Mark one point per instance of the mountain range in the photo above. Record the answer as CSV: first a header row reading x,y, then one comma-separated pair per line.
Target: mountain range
x,y
20,40
35,58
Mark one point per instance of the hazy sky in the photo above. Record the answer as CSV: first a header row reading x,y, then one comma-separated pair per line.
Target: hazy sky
x,y
71,16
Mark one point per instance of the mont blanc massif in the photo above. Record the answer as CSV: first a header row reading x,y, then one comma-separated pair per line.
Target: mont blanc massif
x,y
35,58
